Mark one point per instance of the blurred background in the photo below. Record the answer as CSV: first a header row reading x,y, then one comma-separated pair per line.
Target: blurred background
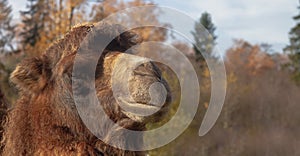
x,y
258,40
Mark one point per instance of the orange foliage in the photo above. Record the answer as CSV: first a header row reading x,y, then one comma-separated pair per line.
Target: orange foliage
x,y
250,57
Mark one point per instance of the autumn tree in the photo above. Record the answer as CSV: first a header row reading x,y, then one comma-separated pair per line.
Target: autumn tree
x,y
106,8
45,21
75,11
7,31
7,47
204,44
249,58
34,24
261,104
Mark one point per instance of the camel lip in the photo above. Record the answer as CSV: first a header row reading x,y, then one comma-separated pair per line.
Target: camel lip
x,y
145,74
139,104
141,109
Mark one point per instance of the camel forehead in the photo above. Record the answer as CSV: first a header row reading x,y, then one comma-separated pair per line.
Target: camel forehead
x,y
122,64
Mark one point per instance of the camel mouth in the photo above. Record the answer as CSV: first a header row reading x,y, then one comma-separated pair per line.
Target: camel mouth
x,y
137,108
138,86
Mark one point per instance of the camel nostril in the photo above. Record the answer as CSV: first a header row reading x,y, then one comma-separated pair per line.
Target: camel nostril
x,y
138,86
147,69
158,94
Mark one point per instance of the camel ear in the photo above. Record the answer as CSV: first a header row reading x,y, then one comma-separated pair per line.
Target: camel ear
x,y
31,75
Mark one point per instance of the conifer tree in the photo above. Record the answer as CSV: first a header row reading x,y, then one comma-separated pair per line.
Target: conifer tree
x,y
7,32
293,49
204,44
33,20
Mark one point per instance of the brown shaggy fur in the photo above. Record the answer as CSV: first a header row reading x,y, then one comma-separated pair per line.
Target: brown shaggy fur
x,y
45,120
3,112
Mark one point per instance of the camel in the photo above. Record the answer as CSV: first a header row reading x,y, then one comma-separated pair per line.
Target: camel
x,y
45,120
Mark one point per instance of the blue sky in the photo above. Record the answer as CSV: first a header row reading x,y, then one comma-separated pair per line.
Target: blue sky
x,y
257,21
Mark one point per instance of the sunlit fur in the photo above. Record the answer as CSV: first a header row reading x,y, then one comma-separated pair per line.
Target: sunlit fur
x,y
44,121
